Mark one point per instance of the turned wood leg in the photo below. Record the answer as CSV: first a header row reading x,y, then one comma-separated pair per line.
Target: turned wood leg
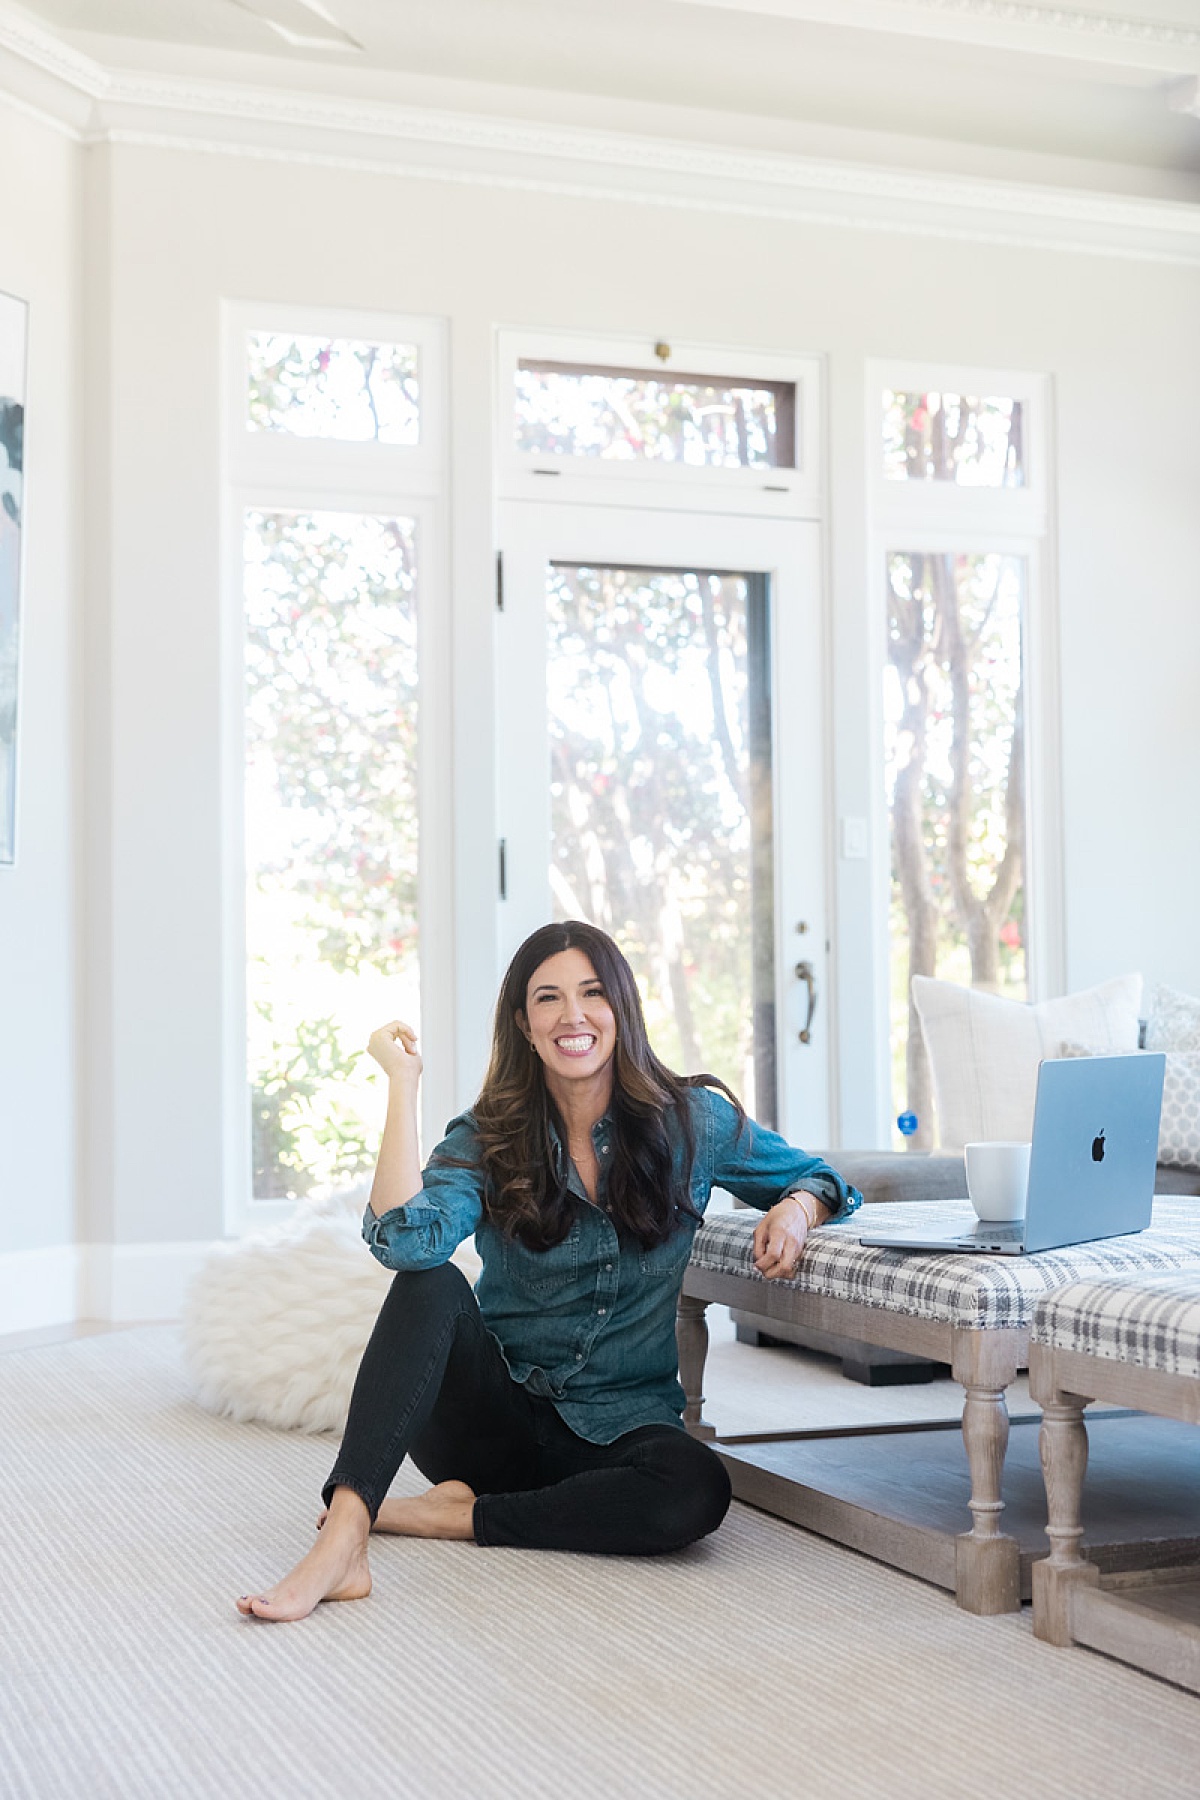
x,y
691,1336
1063,1445
988,1562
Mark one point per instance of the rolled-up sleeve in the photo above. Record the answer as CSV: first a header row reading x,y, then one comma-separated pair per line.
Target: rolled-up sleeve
x,y
429,1228
759,1166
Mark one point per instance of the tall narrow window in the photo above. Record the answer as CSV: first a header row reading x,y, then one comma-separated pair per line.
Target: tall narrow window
x,y
334,454
955,768
960,502
331,830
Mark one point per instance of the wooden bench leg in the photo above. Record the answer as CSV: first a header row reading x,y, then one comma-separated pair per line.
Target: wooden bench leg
x,y
691,1336
1063,1444
987,1561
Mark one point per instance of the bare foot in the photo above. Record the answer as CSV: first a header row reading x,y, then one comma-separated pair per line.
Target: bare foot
x,y
335,1568
444,1511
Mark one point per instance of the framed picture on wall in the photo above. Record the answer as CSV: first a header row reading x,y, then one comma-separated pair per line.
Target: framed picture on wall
x,y
14,317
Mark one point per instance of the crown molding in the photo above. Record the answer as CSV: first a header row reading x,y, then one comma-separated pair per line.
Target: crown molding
x,y
43,50
820,194
1065,18
1018,24
305,113
308,113
160,112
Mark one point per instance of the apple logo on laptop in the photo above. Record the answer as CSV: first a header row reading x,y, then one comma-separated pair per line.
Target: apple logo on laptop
x,y
1098,1148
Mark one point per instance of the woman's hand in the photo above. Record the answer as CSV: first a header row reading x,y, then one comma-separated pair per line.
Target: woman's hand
x,y
780,1235
394,1047
398,1170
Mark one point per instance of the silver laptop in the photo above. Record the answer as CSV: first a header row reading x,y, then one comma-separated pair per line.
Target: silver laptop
x,y
1091,1169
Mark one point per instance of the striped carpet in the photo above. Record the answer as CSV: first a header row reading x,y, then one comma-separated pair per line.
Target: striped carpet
x,y
761,1662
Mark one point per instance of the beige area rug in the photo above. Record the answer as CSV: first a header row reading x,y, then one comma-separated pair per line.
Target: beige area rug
x,y
762,1662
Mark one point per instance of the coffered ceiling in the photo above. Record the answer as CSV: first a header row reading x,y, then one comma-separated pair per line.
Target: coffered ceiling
x,y
1113,85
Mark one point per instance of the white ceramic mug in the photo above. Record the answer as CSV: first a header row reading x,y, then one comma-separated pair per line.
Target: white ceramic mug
x,y
998,1180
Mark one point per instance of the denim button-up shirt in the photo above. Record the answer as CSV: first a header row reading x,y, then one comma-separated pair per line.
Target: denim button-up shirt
x,y
590,1323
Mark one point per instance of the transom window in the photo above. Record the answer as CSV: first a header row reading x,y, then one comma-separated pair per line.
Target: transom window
x,y
634,422
648,415
348,389
963,438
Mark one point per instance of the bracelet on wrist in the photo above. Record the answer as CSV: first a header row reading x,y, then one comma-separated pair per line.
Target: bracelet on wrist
x,y
810,1219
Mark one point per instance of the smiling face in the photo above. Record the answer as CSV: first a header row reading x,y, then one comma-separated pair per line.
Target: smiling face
x,y
568,1020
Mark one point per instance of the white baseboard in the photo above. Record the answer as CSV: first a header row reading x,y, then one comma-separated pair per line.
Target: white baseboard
x,y
118,1282
40,1287
126,1282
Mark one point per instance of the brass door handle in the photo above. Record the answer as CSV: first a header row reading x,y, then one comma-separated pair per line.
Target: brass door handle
x,y
805,973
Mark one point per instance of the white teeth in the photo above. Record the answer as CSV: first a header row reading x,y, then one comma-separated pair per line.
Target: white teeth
x,y
573,1046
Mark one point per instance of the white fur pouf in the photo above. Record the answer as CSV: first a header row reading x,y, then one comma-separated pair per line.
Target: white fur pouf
x,y
274,1325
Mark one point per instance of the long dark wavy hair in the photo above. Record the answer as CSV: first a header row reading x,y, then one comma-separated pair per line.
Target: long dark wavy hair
x,y
517,1121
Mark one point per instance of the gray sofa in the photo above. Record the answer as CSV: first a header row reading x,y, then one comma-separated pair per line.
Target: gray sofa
x,y
900,1175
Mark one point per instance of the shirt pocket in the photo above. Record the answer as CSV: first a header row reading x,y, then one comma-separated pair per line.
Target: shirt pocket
x,y
669,1259
542,1272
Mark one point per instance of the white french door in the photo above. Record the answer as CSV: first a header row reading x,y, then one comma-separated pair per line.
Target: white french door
x,y
661,774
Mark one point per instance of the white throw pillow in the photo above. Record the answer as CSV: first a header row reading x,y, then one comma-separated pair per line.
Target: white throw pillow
x,y
1172,1020
274,1325
984,1051
1179,1129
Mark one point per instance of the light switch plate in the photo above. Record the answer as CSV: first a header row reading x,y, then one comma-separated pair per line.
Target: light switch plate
x,y
854,839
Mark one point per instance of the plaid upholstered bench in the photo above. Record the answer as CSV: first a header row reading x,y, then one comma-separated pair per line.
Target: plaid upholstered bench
x,y
883,1177
1135,1342
901,1497
886,1177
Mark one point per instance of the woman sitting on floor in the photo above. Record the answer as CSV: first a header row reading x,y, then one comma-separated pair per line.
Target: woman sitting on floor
x,y
546,1406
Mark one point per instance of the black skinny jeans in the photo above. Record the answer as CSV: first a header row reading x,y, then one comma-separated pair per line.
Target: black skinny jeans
x,y
433,1385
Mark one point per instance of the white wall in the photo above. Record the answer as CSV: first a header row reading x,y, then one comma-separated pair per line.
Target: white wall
x,y
39,1070
1130,532
189,229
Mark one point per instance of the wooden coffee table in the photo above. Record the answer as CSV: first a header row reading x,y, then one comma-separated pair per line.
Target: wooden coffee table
x,y
905,1493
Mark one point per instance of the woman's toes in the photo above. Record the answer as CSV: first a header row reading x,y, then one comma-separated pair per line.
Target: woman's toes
x,y
259,1606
